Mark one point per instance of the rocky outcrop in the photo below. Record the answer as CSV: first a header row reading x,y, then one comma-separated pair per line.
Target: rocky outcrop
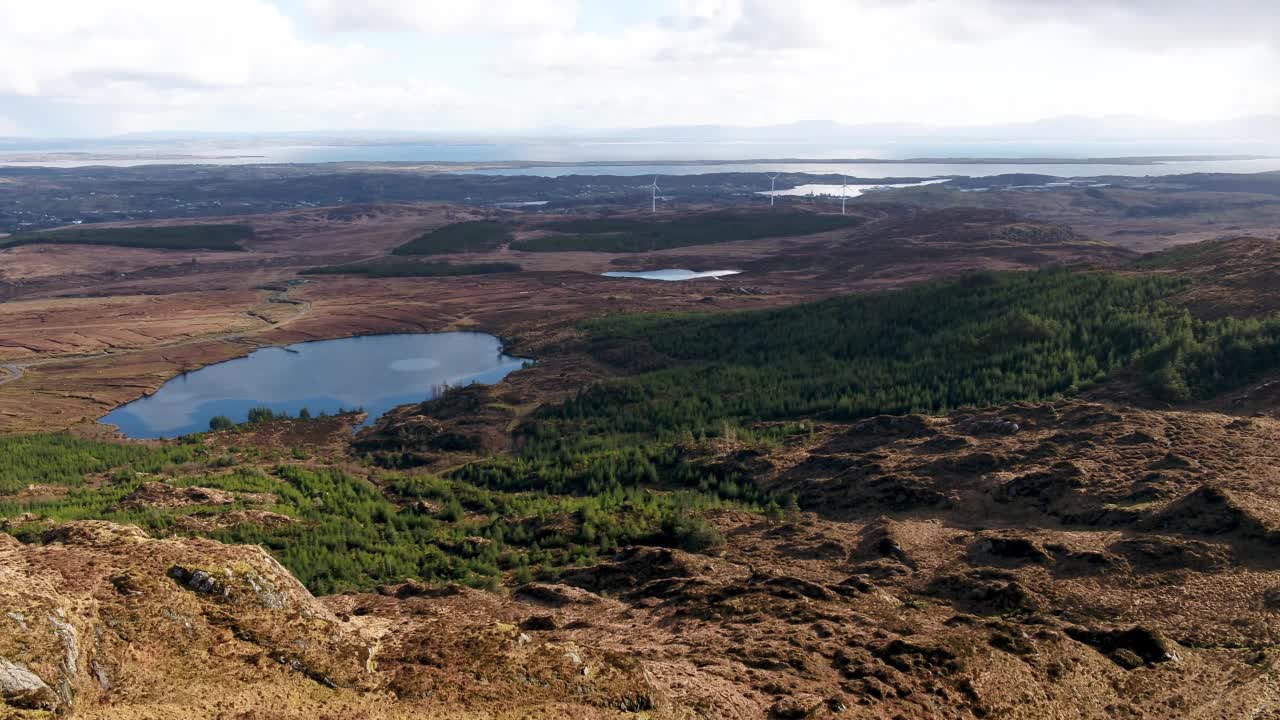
x,y
161,495
234,518
21,688
94,595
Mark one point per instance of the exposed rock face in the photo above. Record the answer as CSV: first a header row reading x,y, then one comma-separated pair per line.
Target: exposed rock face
x,y
96,593
21,688
221,627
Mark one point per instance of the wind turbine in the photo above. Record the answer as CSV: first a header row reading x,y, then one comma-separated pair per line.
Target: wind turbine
x,y
654,205
773,187
844,185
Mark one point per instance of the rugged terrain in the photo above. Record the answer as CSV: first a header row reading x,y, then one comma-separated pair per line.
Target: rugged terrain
x,y
1107,557
1061,560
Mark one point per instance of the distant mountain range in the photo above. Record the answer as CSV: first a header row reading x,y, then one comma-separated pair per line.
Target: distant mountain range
x,y
1067,127
1261,128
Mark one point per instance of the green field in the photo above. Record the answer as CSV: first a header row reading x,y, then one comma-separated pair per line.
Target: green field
x,y
627,235
176,237
475,236
394,268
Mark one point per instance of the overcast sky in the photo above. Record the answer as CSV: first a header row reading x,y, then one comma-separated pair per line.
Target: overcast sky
x,y
96,67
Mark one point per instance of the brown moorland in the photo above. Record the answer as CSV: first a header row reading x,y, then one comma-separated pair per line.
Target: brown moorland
x,y
75,345
1059,560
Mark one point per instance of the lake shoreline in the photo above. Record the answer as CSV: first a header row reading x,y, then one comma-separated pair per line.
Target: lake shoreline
x,y
184,403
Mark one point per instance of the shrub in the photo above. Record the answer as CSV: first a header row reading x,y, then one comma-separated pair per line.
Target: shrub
x,y
689,532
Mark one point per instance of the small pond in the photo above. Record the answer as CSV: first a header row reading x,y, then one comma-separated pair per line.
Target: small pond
x,y
672,274
374,372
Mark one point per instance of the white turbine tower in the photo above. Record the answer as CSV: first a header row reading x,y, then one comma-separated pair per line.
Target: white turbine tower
x,y
773,188
653,208
844,186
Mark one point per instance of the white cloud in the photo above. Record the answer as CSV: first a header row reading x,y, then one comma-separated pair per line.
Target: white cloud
x,y
430,64
442,16
1158,24
145,63
58,46
933,61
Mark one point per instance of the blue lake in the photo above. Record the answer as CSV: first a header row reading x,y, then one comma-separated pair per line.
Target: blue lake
x,y
374,372
672,274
